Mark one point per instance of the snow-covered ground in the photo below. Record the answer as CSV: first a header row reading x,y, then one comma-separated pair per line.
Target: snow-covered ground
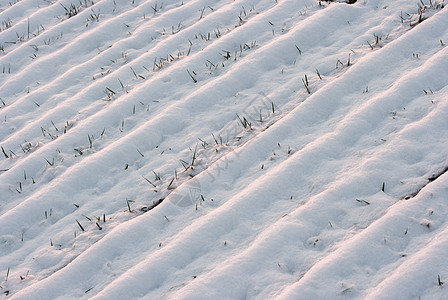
x,y
221,149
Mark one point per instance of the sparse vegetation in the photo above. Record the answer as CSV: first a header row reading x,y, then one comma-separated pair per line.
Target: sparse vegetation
x,y
249,125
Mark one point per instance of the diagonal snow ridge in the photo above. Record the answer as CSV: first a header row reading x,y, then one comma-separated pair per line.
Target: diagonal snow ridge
x,y
223,149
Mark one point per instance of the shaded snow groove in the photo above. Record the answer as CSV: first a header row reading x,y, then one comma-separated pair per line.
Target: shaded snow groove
x,y
431,179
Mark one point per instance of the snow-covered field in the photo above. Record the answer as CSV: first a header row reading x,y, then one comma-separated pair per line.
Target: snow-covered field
x,y
221,149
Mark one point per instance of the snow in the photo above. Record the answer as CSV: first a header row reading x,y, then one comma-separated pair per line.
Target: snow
x,y
172,150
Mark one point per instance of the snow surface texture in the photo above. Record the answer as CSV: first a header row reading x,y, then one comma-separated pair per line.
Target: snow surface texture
x,y
290,149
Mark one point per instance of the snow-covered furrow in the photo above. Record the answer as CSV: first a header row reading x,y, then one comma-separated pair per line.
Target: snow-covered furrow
x,y
234,271
62,145
88,128
91,126
273,210
51,197
71,107
106,56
